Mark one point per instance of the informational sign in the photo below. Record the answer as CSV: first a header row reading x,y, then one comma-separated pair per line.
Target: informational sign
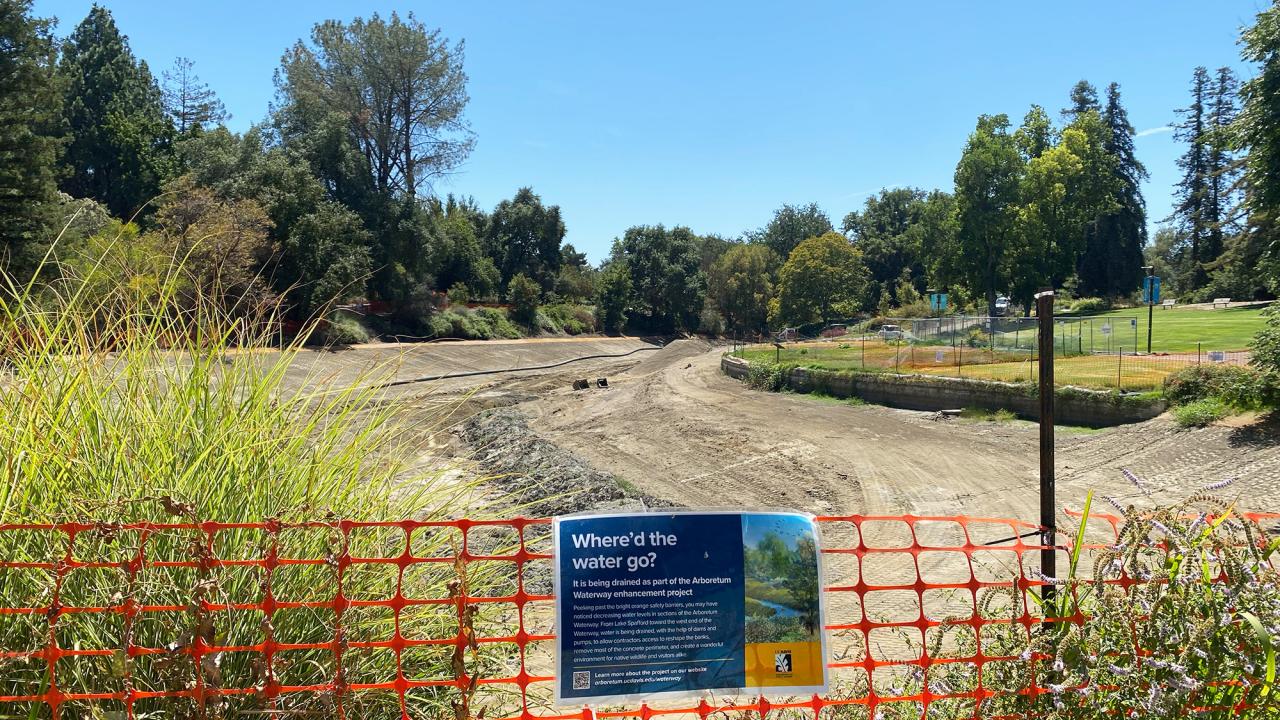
x,y
1217,356
669,604
938,301
1133,322
1151,289
1106,328
938,356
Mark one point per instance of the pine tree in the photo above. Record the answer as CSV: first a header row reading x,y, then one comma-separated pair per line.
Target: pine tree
x,y
1223,193
29,113
120,149
1111,264
1259,134
1084,97
1192,197
191,104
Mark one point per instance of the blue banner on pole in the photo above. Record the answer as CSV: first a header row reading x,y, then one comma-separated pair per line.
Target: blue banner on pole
x,y
1151,289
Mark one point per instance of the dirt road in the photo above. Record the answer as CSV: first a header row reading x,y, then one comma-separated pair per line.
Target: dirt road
x,y
677,427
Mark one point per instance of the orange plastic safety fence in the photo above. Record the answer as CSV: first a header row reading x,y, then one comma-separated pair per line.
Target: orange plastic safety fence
x,y
415,619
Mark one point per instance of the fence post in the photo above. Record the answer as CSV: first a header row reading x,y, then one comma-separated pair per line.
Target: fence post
x,y
1197,353
1048,504
1120,369
864,350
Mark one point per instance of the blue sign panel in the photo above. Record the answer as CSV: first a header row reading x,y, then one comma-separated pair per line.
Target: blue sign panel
x,y
938,301
651,604
1151,289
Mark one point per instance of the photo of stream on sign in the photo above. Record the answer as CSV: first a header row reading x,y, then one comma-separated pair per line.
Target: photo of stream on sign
x,y
681,603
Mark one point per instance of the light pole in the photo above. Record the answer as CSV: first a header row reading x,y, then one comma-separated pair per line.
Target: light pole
x,y
1151,300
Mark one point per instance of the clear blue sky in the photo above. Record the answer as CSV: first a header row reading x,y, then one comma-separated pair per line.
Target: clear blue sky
x,y
711,115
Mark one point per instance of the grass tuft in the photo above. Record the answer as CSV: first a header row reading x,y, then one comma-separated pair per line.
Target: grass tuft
x,y
138,406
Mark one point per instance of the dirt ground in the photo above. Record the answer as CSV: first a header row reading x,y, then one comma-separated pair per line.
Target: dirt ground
x,y
677,429
683,431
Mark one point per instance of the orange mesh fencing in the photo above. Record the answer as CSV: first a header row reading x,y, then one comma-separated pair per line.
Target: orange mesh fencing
x,y
453,619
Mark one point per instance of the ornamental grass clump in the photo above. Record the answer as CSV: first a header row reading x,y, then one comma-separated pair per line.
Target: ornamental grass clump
x,y
1180,617
142,405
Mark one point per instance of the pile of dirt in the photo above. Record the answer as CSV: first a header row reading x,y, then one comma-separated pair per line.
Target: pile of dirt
x,y
541,478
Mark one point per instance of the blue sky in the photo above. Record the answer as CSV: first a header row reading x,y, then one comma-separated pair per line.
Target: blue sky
x,y
711,115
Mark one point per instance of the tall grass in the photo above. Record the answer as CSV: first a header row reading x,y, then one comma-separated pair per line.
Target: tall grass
x,y
146,405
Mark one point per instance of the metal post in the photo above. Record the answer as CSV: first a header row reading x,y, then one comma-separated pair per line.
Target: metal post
x,y
1120,369
864,350
1048,503
1197,353
1151,303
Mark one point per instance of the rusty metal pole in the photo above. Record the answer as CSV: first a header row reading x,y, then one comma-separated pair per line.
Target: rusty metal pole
x,y
1048,504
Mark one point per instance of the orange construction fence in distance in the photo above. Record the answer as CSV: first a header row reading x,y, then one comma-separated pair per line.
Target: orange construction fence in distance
x,y
427,619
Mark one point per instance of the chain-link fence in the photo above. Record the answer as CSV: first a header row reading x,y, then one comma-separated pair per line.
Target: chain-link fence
x,y
1101,353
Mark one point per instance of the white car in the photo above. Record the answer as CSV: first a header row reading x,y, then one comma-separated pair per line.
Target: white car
x,y
1002,305
890,332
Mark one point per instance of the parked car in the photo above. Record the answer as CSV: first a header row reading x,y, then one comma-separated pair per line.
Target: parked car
x,y
1002,305
890,332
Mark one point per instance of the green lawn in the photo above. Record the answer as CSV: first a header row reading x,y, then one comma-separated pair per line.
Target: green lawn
x,y
1177,330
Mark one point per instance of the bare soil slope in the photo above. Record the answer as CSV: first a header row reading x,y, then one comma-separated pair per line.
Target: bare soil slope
x,y
678,428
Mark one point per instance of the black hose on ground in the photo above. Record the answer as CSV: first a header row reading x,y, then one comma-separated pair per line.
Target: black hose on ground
x,y
475,373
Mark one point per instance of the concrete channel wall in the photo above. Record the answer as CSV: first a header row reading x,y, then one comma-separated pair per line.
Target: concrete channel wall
x,y
1072,406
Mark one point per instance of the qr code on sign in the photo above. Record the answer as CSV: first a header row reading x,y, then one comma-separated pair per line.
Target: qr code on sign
x,y
582,680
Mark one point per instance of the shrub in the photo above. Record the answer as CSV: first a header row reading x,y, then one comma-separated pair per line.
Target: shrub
x,y
1243,387
1266,344
459,294
1201,412
1195,630
570,318
710,322
525,294
344,331
500,326
1090,306
478,324
767,376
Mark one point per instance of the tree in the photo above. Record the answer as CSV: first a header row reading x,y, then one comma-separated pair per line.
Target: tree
x,y
667,286
325,247
1063,192
220,244
1036,135
1224,170
739,284
192,106
396,89
613,298
1111,264
1259,133
1192,207
792,224
524,236
1084,97
885,232
460,256
825,277
938,242
801,583
121,142
988,179
30,106
525,295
